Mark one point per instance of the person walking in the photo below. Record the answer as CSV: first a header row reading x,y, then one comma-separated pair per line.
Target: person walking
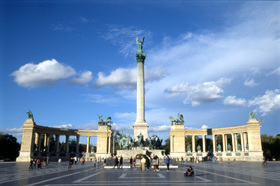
x,y
98,162
143,162
83,161
155,163
134,161
121,162
39,164
148,164
167,161
31,164
116,162
94,162
130,162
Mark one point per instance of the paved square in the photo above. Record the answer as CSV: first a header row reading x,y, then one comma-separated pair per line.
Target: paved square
x,y
206,173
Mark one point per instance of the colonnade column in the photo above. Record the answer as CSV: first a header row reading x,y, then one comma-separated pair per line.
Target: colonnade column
x,y
233,142
48,143
214,143
245,141
56,143
236,142
39,142
242,141
77,143
193,143
67,144
204,144
88,143
224,143
109,151
171,143
45,142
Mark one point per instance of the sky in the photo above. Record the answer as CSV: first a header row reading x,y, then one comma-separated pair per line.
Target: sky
x,y
69,61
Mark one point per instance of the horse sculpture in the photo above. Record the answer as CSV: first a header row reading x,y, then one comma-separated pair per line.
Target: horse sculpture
x,y
180,119
101,122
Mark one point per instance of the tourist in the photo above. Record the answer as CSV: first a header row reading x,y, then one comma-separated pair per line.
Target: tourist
x,y
134,161
47,161
59,162
167,161
116,162
94,162
189,172
154,161
121,162
130,161
186,159
197,159
70,164
31,164
39,164
143,162
75,158
182,159
83,161
98,162
148,164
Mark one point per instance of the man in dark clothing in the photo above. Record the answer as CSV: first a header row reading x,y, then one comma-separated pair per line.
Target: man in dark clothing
x,y
189,172
147,162
116,162
121,162
130,162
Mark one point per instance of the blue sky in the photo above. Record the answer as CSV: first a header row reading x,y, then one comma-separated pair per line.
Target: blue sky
x,y
68,61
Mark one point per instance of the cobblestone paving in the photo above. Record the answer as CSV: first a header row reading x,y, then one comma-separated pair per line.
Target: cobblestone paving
x,y
206,173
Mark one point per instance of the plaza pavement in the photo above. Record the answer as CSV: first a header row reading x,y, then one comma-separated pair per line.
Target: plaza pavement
x,y
206,173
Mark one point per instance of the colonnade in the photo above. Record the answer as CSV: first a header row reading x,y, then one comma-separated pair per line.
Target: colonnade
x,y
36,141
246,146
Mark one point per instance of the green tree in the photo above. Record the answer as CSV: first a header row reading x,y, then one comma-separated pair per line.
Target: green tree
x,y
270,146
9,147
166,146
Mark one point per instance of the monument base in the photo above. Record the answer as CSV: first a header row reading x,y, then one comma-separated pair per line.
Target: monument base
x,y
141,150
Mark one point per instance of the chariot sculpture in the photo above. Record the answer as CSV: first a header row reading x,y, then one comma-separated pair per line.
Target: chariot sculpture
x,y
179,120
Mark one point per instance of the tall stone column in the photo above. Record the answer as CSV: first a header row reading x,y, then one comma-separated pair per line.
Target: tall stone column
x,y
109,142
48,143
245,141
39,142
233,142
140,125
67,143
57,143
242,141
224,143
193,143
204,144
77,144
88,143
214,143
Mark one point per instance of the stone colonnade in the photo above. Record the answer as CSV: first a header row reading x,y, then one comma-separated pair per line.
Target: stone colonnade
x,y
240,143
36,142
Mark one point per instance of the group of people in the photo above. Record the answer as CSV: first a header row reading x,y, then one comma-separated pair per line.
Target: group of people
x,y
37,163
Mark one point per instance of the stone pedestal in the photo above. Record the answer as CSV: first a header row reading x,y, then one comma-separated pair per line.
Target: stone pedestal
x,y
28,137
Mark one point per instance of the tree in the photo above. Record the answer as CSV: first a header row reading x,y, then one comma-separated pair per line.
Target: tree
x,y
9,147
166,146
270,146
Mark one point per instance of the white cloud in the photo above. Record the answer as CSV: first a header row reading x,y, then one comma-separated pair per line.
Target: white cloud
x,y
65,126
16,132
45,73
82,80
160,128
268,103
274,72
206,92
204,127
233,101
126,78
250,83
